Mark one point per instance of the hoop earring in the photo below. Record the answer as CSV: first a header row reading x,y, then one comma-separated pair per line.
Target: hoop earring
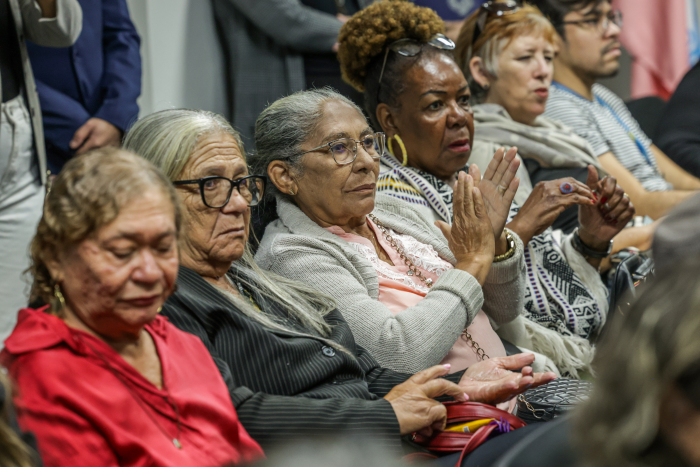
x,y
403,149
59,296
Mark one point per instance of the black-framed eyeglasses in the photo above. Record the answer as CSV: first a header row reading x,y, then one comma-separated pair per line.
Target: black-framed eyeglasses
x,y
600,22
492,8
344,150
216,191
411,47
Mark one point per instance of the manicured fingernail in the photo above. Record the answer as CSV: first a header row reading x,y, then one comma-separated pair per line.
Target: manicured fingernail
x,y
603,200
595,196
447,366
592,202
466,398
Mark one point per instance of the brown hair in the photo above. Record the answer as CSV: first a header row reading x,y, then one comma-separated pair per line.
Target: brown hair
x,y
498,33
363,41
86,195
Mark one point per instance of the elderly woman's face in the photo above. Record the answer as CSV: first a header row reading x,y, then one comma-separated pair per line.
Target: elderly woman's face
x,y
214,236
333,194
434,119
525,70
116,280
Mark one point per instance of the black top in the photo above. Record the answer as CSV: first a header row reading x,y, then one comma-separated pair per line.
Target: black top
x,y
319,65
10,59
678,134
283,385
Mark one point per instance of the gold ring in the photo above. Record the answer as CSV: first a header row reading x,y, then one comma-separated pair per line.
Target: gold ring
x,y
501,190
626,195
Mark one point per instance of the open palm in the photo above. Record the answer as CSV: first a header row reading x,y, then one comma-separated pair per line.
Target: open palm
x,y
498,186
494,381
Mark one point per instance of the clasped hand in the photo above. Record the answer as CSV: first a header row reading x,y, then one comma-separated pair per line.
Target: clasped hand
x,y
480,210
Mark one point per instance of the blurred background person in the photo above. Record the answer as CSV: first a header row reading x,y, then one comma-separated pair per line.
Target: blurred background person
x,y
678,133
589,49
644,408
102,378
452,12
277,47
88,91
53,23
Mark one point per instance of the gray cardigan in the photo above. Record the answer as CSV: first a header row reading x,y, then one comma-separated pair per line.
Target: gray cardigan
x,y
420,336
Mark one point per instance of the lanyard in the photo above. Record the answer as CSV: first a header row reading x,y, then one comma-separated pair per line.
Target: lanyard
x,y
648,156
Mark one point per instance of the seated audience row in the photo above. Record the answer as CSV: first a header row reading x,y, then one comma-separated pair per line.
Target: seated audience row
x,y
422,104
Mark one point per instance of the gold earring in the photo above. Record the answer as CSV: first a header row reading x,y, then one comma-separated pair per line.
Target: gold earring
x,y
159,309
292,192
403,149
59,296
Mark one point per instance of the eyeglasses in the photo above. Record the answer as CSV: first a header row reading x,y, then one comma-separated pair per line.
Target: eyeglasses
x,y
216,191
600,22
494,8
412,47
344,150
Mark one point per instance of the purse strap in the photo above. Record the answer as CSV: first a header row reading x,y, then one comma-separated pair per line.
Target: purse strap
x,y
475,441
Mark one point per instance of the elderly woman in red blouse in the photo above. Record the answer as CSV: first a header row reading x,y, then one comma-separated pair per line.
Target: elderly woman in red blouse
x,y
103,380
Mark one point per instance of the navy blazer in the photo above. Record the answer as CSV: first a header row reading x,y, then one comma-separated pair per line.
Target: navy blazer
x,y
99,76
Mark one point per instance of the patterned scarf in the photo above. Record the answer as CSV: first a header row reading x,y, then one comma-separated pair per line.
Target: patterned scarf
x,y
556,297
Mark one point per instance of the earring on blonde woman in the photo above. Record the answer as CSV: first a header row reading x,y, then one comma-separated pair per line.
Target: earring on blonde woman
x,y
403,149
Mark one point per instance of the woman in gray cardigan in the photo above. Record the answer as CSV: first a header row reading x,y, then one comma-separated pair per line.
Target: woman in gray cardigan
x,y
407,289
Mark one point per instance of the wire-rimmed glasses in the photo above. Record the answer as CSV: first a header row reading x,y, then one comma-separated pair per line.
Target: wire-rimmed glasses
x,y
216,191
344,150
600,22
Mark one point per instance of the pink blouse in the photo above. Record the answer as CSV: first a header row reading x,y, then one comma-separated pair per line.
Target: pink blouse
x,y
398,290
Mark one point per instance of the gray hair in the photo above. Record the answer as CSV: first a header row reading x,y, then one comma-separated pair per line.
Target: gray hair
x,y
167,139
170,136
284,126
646,350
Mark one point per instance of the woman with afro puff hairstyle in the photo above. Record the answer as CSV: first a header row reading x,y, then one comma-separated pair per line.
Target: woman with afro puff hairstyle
x,y
420,100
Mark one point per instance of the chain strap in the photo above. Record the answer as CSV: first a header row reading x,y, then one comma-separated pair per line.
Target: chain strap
x,y
413,270
480,353
529,406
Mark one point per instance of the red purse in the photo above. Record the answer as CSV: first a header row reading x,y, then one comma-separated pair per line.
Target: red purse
x,y
461,412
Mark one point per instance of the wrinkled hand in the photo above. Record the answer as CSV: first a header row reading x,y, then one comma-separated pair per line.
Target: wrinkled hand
x,y
492,381
600,223
414,404
544,205
470,238
498,187
95,133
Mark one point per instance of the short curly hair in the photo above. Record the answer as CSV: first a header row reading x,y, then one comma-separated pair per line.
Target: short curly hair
x,y
364,39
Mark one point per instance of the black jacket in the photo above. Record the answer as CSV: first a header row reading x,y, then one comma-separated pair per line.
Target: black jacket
x,y
283,385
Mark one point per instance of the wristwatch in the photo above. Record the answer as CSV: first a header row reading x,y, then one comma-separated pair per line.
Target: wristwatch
x,y
587,251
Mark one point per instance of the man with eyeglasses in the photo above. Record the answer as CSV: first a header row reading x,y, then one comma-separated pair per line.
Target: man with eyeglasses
x,y
589,49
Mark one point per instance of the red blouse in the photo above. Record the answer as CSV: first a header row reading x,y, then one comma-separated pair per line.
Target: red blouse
x,y
88,407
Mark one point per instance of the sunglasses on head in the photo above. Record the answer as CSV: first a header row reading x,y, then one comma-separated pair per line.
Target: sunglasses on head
x,y
493,8
412,47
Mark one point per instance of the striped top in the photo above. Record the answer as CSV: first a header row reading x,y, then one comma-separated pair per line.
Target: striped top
x,y
608,126
283,386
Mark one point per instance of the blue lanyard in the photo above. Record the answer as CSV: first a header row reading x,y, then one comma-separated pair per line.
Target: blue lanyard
x,y
648,156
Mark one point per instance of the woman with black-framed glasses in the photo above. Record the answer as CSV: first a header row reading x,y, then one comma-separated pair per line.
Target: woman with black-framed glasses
x,y
286,353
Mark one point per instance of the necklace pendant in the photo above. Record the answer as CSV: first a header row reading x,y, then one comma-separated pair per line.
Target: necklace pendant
x,y
177,443
410,272
428,282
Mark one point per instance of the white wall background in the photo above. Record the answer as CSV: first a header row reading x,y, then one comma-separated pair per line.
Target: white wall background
x,y
182,61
